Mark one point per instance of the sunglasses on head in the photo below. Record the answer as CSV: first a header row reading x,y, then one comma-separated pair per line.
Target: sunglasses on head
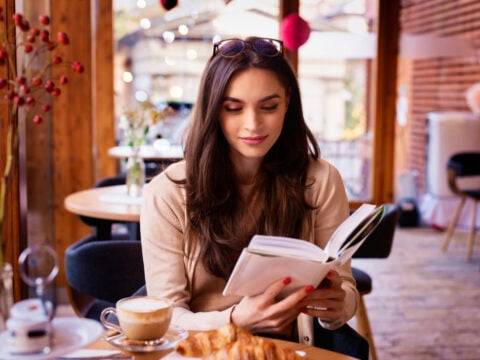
x,y
263,46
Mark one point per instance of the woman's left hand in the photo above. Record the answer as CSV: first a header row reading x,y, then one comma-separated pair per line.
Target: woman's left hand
x,y
327,300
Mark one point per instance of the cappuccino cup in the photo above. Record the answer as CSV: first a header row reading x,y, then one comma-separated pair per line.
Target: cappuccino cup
x,y
140,317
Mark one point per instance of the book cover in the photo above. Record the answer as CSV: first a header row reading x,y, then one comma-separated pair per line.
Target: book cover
x,y
271,258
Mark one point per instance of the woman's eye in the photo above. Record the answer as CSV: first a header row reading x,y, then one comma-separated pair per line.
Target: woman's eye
x,y
270,107
232,109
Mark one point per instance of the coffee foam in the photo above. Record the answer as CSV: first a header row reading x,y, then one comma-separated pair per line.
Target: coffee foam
x,y
144,304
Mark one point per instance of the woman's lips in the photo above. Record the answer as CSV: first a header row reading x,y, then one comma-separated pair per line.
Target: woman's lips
x,y
253,140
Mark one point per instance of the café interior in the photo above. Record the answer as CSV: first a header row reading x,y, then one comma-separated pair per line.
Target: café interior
x,y
388,89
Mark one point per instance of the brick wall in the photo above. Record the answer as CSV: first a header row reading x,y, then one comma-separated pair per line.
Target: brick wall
x,y
437,84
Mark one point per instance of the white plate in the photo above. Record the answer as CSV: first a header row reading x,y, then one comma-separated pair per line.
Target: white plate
x,y
68,334
172,337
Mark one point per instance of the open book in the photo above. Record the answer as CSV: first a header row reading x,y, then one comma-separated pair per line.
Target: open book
x,y
271,258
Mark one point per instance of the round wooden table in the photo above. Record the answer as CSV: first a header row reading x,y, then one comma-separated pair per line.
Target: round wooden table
x,y
108,202
311,353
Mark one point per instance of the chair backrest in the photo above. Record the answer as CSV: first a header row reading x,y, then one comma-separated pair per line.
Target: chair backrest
x,y
465,163
379,243
107,270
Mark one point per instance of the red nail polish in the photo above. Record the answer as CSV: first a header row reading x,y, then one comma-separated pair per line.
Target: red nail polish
x,y
303,309
329,274
309,289
287,281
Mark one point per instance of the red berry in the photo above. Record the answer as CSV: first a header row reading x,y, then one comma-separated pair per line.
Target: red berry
x,y
30,101
34,31
28,48
56,92
57,59
36,81
37,119
77,67
3,54
46,107
63,38
31,38
63,80
44,35
19,100
49,86
21,80
44,19
17,19
24,89
24,26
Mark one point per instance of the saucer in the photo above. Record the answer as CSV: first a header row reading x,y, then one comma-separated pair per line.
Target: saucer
x,y
68,334
172,337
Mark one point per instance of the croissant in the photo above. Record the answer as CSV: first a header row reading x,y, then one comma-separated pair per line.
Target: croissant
x,y
257,349
230,342
205,342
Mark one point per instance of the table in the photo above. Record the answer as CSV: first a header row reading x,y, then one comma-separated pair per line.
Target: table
x,y
108,202
167,154
312,353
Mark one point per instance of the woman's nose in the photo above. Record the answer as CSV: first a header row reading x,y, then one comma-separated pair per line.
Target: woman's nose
x,y
251,119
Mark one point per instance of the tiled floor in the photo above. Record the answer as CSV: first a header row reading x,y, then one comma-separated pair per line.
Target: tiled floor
x,y
425,304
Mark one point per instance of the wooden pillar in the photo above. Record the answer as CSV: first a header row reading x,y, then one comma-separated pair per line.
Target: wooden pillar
x,y
73,130
289,7
385,101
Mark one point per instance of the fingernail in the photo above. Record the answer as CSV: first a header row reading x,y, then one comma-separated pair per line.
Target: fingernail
x,y
309,289
287,281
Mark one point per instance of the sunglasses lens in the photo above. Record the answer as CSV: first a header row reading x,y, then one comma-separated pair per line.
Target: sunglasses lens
x,y
231,47
266,47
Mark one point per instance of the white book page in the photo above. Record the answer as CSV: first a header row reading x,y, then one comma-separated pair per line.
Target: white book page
x,y
285,246
346,228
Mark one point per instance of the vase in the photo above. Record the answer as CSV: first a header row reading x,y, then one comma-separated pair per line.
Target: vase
x,y
6,293
135,173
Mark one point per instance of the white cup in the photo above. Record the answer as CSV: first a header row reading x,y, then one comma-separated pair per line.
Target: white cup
x,y
141,318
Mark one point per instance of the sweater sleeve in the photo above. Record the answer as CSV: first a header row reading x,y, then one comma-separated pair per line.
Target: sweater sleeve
x,y
332,209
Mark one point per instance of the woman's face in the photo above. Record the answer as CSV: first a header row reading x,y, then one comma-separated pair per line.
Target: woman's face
x,y
252,114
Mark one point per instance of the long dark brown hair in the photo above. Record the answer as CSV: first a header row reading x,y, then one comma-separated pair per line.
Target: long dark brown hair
x,y
211,190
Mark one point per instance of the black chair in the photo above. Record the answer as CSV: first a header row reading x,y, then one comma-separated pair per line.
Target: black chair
x,y
461,165
377,245
101,272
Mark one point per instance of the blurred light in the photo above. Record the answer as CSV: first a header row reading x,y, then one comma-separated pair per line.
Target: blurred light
x,y
145,23
192,54
169,61
183,29
141,4
141,95
168,36
127,76
176,92
216,38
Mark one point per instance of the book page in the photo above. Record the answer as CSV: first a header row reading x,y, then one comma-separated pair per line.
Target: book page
x,y
346,229
285,246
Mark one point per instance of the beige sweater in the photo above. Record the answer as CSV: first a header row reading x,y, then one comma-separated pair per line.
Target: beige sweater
x,y
173,268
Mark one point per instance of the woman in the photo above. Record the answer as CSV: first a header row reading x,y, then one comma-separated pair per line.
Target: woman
x,y
251,166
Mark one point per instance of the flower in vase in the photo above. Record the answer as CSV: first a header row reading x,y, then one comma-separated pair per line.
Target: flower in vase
x,y
136,122
29,86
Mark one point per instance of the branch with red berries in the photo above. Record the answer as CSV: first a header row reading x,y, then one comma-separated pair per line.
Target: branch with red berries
x,y
31,85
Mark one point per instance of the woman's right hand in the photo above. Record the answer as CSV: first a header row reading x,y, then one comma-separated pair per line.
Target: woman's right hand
x,y
263,314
